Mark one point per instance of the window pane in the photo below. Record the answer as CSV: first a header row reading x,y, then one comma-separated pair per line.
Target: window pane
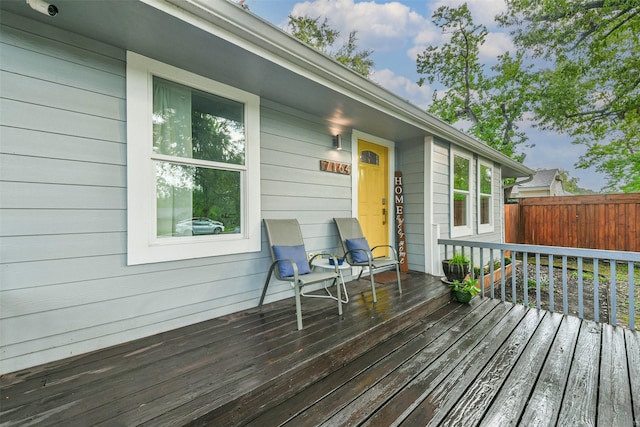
x,y
195,124
369,157
485,179
459,209
196,201
461,173
485,210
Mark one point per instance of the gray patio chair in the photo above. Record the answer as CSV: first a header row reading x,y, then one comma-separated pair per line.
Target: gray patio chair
x,y
358,253
290,263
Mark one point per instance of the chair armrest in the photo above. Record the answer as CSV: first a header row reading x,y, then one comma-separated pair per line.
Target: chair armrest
x,y
290,261
395,253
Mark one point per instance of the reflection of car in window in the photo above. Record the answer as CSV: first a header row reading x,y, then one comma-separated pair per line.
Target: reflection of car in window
x,y
197,226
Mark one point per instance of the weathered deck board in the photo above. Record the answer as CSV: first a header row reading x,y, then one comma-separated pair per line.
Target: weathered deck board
x,y
632,341
544,404
581,395
467,334
411,359
509,403
614,400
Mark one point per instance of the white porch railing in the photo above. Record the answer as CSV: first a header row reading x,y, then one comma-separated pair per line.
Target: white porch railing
x,y
482,254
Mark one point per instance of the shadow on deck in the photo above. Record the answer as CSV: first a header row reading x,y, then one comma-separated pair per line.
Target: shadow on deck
x,y
410,359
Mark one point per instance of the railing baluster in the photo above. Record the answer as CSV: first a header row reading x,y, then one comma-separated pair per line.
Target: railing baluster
x,y
482,250
525,272
504,273
514,256
491,272
632,308
580,296
538,285
596,291
612,307
481,278
565,302
551,270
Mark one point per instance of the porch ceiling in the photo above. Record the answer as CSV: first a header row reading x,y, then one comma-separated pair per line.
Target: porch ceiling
x,y
261,59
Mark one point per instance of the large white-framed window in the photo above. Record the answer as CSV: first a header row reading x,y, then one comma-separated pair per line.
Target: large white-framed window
x,y
193,165
485,197
461,194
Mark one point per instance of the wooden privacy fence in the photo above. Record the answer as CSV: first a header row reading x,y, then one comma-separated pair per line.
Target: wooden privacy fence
x,y
609,221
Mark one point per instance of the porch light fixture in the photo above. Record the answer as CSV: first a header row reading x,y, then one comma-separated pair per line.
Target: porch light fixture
x,y
337,142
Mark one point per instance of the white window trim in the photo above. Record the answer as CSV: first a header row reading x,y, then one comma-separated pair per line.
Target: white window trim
x,y
461,230
486,228
143,246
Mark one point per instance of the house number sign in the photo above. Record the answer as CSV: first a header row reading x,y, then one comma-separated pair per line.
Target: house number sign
x,y
335,167
398,194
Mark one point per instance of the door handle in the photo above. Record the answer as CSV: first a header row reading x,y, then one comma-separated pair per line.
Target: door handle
x,y
384,216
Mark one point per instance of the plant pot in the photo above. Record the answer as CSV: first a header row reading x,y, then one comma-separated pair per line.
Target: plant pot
x,y
455,272
506,271
340,261
462,296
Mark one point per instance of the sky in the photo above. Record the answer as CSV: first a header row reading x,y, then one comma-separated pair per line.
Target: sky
x,y
397,31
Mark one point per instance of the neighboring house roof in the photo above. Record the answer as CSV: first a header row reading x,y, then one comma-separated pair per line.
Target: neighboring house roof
x,y
259,58
544,180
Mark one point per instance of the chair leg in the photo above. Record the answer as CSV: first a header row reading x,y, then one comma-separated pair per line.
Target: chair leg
x,y
296,287
338,290
373,285
266,283
398,274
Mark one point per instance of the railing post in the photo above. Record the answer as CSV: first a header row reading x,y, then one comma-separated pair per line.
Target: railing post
x,y
632,308
525,277
481,278
612,306
551,270
580,293
504,274
514,290
538,296
565,302
596,291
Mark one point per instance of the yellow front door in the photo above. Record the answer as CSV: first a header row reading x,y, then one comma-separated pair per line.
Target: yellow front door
x,y
373,193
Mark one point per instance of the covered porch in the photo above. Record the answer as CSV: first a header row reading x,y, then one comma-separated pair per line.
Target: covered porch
x,y
411,359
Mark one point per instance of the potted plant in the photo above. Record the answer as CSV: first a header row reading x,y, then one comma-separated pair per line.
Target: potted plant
x,y
498,271
464,291
457,267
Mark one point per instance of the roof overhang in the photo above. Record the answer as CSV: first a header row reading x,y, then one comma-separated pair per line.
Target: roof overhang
x,y
233,46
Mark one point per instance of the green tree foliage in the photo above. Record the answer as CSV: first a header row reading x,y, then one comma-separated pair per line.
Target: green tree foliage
x,y
570,184
322,37
591,90
492,102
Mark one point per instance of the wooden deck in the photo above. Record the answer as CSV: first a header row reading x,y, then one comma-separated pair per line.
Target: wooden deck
x,y
414,359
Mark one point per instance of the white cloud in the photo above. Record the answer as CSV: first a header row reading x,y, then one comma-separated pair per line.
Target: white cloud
x,y
483,11
495,44
419,96
381,27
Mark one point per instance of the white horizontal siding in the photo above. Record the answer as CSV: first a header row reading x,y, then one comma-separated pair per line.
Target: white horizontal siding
x,y
65,285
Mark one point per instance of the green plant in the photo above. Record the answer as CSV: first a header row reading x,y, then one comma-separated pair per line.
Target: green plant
x,y
467,285
459,259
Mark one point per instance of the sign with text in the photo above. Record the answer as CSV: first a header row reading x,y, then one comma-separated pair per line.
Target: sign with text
x,y
335,167
398,195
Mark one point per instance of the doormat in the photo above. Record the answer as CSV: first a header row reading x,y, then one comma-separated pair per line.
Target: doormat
x,y
386,277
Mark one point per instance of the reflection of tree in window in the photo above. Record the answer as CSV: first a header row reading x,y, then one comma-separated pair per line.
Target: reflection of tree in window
x,y
461,167
199,148
485,194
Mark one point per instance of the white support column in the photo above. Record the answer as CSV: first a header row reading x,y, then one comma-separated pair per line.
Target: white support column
x,y
436,262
